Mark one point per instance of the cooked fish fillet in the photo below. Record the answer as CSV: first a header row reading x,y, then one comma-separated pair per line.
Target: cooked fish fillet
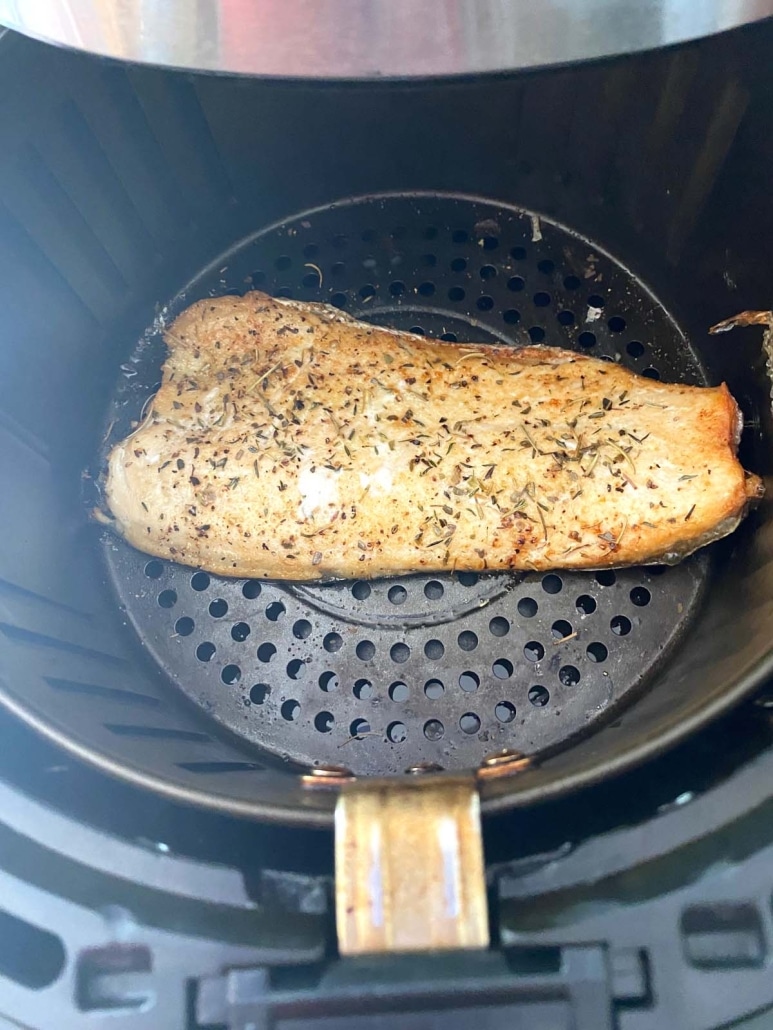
x,y
289,441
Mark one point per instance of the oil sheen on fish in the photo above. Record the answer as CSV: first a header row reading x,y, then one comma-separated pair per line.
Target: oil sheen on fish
x,y
289,441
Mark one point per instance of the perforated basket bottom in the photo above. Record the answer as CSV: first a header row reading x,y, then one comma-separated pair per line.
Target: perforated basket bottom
x,y
380,676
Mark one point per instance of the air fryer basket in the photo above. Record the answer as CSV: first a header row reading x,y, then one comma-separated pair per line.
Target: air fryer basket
x,y
428,669
120,185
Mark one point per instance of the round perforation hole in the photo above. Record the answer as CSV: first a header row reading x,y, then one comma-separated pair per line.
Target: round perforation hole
x,y
154,569
205,651
231,674
434,689
266,652
302,629
502,668
511,316
167,598
640,596
328,682
397,594
456,294
433,590
561,629
536,334
499,626
361,590
505,711
433,729
488,272
458,264
363,690
397,732
333,642
469,682
426,289
250,590
616,324
569,675
399,691
528,607
597,652
484,303
218,608
324,722
552,584
587,339
434,649
586,604
620,625
565,317
399,653
606,578
184,626
539,695
290,710
240,631
515,283
359,728
533,651
365,650
635,349
467,640
259,693
295,668
542,299
469,723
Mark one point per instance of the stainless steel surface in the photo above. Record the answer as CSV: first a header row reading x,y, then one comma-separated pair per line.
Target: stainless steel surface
x,y
371,38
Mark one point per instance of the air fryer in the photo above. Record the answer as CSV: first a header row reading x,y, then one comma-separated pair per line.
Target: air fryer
x,y
618,208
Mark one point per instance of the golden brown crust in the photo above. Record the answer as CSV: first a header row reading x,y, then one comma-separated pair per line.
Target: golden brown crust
x,y
289,441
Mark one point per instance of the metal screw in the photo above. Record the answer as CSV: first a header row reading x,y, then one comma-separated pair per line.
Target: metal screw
x,y
327,776
502,758
503,763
